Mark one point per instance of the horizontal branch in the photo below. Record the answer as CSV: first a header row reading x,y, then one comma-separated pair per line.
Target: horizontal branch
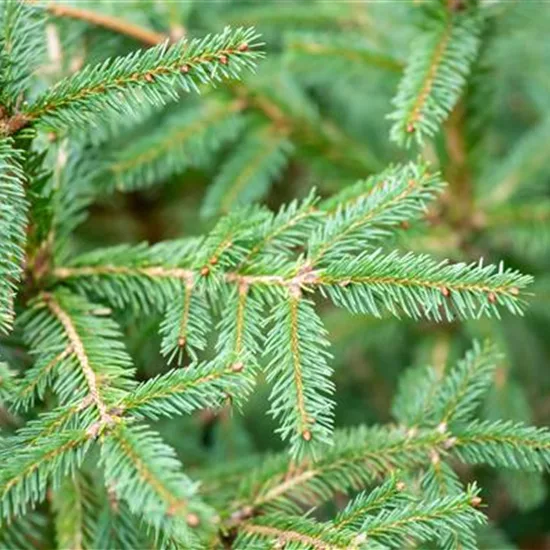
x,y
123,84
108,22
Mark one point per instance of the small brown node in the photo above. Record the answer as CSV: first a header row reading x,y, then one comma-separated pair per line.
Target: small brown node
x,y
205,271
405,225
410,128
514,291
181,341
193,520
185,68
401,486
214,260
243,47
149,77
247,512
476,501
449,443
492,297
237,367
445,291
306,434
224,60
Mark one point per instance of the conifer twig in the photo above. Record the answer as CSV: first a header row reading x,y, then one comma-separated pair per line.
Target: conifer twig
x,y
108,22
77,347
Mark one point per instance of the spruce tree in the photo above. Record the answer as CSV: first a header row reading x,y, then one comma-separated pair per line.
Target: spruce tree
x,y
181,376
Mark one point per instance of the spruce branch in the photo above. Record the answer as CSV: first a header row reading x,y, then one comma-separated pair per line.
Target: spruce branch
x,y
519,170
419,286
282,232
13,224
357,457
141,276
186,324
436,72
522,227
30,468
187,137
145,473
117,526
463,388
8,383
504,444
287,109
240,338
182,391
287,530
327,53
75,508
415,396
389,495
425,521
299,370
18,532
247,175
21,50
154,75
108,22
367,211
91,366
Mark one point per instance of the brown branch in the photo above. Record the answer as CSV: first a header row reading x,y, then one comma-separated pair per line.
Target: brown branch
x,y
287,536
108,22
435,63
78,349
457,171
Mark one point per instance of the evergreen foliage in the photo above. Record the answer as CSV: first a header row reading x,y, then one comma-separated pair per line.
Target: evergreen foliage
x,y
237,312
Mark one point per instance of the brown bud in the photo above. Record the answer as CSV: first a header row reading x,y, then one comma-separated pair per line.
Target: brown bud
x,y
237,367
52,136
492,297
243,47
445,291
405,225
400,486
514,291
149,77
475,502
247,511
224,60
205,271
410,128
449,443
214,260
184,68
181,341
306,434
192,520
